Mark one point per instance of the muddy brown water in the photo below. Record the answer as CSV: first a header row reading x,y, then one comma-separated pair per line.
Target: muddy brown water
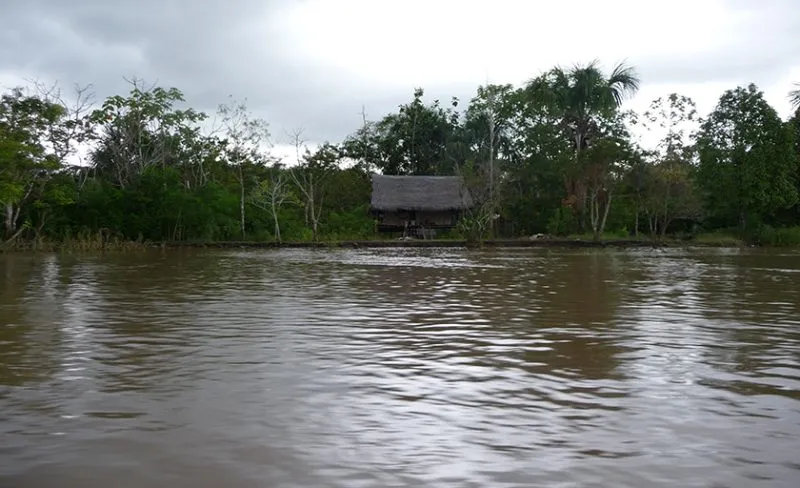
x,y
401,367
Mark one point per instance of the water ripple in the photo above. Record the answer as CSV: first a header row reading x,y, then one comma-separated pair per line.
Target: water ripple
x,y
401,367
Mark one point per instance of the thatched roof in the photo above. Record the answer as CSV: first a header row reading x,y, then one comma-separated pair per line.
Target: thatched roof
x,y
418,193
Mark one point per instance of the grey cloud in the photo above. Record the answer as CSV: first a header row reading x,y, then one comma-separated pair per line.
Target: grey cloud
x,y
209,49
214,48
765,47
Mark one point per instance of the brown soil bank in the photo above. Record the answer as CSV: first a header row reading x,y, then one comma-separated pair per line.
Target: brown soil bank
x,y
552,243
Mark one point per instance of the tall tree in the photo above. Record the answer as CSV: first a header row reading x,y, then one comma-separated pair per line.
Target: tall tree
x,y
311,175
142,131
582,97
26,161
413,141
75,127
246,142
636,186
669,194
271,194
794,127
670,190
486,137
362,146
747,163
602,167
533,185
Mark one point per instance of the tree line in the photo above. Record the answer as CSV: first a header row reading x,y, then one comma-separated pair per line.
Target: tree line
x,y
557,155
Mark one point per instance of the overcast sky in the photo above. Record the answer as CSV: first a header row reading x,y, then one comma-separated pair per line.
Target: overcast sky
x,y
314,63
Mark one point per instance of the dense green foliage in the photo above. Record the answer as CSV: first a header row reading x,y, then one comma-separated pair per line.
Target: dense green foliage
x,y
555,156
748,169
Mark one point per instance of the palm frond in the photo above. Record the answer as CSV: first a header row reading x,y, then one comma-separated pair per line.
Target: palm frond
x,y
547,90
584,81
623,82
794,97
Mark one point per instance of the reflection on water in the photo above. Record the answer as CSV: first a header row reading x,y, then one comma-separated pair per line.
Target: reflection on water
x,y
401,367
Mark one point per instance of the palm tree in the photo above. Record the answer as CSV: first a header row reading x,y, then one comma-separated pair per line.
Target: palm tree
x,y
581,97
794,97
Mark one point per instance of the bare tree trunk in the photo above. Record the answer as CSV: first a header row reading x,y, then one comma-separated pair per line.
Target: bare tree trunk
x,y
276,194
42,222
277,225
241,200
9,225
271,200
313,208
364,140
314,228
15,220
579,207
666,219
316,215
594,215
176,231
491,120
315,212
652,223
12,237
13,212
598,219
309,191
307,187
665,216
605,211
310,212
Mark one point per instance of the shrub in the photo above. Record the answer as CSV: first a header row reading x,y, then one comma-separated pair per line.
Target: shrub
x,y
778,237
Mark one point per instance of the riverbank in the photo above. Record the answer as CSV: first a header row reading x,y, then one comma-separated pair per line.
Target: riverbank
x,y
452,243
547,242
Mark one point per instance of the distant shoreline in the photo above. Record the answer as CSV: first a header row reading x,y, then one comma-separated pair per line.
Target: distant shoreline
x,y
420,243
541,243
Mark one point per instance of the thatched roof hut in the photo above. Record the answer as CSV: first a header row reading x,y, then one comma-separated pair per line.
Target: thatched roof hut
x,y
419,193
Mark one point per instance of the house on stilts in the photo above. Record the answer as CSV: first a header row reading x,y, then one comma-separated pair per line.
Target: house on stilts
x,y
418,206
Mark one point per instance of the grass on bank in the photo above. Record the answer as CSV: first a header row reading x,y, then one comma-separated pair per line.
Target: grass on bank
x,y
85,243
779,236
718,239
763,236
766,236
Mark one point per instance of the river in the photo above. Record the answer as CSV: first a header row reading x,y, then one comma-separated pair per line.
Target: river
x,y
401,368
